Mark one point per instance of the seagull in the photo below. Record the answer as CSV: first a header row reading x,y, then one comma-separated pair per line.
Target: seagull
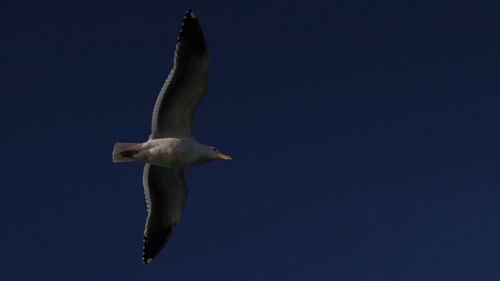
x,y
171,146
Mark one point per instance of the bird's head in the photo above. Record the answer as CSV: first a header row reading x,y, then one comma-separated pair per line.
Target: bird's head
x,y
214,153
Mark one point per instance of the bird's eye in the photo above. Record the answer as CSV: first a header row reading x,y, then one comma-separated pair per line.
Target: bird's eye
x,y
214,149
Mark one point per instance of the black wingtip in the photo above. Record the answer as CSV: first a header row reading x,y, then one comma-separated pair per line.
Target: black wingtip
x,y
189,14
153,244
146,259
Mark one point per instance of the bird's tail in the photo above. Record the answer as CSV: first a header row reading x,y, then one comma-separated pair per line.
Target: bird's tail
x,y
124,151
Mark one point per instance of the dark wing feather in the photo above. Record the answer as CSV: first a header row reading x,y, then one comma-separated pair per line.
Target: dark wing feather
x,y
186,84
165,191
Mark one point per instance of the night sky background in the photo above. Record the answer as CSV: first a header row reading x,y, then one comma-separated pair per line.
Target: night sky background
x,y
365,138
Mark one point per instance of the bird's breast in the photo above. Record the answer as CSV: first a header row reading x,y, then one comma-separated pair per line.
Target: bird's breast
x,y
174,157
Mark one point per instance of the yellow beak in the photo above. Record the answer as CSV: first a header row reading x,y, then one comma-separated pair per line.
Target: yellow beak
x,y
224,156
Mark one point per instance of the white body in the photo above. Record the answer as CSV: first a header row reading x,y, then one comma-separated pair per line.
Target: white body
x,y
165,152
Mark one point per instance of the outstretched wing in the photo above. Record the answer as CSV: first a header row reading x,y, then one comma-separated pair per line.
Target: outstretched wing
x,y
186,84
165,191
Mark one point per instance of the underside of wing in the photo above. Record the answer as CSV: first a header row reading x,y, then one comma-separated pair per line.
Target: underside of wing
x,y
186,84
165,191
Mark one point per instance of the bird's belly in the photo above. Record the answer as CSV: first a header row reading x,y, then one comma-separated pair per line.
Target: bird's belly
x,y
173,153
167,160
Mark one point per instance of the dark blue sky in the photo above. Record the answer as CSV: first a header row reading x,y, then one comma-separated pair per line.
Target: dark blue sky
x,y
364,134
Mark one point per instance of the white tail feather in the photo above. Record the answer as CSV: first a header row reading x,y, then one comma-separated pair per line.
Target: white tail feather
x,y
121,147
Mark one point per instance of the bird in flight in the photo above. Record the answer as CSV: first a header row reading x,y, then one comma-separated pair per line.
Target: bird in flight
x,y
171,146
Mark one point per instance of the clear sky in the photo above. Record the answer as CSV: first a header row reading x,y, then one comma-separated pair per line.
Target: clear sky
x,y
365,138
